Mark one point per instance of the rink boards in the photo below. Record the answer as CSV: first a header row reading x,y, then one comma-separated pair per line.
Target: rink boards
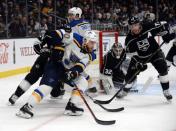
x,y
17,55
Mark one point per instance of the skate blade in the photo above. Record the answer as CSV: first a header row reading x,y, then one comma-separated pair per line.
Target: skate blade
x,y
10,104
23,115
70,113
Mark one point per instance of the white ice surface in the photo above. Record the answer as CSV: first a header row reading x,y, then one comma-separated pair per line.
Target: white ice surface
x,y
147,112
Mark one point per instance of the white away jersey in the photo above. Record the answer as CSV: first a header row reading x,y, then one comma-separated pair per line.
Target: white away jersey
x,y
74,56
80,26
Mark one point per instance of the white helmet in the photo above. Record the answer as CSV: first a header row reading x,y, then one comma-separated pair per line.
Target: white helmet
x,y
76,11
90,36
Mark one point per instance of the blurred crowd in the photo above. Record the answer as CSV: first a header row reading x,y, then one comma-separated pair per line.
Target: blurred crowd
x,y
29,18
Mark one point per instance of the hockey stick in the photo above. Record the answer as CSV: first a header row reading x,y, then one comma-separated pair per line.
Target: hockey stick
x,y
108,101
92,113
146,85
107,109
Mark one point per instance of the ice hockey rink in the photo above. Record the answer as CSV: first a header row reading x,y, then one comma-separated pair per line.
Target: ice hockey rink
x,y
148,111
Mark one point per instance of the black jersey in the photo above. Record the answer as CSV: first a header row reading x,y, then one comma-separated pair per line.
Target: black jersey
x,y
144,44
111,63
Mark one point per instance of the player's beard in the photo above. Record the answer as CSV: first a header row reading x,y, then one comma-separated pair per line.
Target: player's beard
x,y
87,49
136,30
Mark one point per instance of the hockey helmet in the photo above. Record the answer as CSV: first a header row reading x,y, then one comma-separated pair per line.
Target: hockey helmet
x,y
76,11
133,20
90,39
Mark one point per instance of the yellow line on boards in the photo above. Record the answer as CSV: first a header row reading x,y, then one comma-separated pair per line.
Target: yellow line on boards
x,y
18,71
14,72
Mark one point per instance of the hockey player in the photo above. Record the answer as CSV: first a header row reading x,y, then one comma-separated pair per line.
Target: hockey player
x,y
77,55
115,67
80,26
140,45
37,70
171,56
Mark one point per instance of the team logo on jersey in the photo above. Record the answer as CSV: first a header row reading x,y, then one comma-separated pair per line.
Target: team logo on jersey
x,y
143,45
74,58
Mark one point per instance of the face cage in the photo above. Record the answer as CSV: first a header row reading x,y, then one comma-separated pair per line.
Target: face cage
x,y
117,52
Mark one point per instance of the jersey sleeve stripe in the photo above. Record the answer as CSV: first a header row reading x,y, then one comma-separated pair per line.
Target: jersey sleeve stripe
x,y
77,43
83,23
81,65
60,34
59,48
90,57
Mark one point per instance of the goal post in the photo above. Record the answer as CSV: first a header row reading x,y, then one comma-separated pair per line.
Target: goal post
x,y
106,38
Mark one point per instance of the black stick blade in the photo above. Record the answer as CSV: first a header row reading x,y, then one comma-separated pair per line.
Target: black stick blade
x,y
101,122
114,110
110,110
103,102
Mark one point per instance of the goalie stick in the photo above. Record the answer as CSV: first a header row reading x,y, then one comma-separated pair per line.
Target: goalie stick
x,y
146,85
102,122
108,101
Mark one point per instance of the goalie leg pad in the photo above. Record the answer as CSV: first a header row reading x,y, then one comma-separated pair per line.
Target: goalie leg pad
x,y
107,83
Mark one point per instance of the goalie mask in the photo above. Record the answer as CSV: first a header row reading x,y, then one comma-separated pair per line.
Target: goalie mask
x,y
90,39
117,50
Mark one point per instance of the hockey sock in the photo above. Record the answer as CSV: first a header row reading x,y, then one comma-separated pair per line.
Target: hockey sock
x,y
75,97
165,86
164,80
38,94
19,92
22,88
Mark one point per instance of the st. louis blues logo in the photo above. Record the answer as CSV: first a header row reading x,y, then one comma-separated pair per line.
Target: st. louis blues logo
x,y
143,45
74,58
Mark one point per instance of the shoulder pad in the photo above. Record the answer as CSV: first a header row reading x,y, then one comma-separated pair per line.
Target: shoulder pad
x,y
77,39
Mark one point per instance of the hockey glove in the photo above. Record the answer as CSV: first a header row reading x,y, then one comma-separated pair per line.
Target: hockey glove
x,y
37,47
67,28
144,67
168,37
70,75
45,51
140,66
